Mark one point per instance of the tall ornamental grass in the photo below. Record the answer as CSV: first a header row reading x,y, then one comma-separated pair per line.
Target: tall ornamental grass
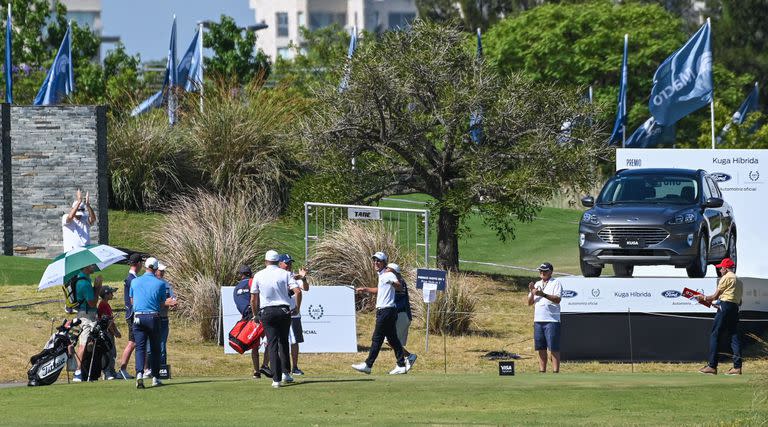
x,y
453,312
203,240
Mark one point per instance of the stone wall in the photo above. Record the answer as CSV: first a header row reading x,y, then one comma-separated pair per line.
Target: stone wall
x,y
49,153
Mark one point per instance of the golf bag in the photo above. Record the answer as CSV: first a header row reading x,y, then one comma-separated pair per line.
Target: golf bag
x,y
96,347
245,335
47,365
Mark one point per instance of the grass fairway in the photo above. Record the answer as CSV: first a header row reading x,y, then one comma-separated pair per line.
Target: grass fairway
x,y
416,398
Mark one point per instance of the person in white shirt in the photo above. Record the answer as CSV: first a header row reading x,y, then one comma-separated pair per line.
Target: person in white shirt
x,y
271,300
76,225
545,296
386,318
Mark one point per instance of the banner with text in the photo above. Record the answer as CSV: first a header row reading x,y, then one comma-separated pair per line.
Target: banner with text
x,y
327,317
741,175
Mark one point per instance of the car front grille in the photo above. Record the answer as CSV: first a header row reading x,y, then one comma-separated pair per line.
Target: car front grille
x,y
651,235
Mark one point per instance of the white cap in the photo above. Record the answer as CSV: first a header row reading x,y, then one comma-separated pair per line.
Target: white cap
x,y
161,266
394,267
381,256
151,262
80,208
272,256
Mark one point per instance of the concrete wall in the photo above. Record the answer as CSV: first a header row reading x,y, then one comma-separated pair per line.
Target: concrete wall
x,y
48,153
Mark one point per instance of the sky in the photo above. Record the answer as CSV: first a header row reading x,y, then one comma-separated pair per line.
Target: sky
x,y
144,26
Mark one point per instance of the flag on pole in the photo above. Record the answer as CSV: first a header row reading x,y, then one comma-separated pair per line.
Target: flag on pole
x,y
749,105
350,51
8,61
651,134
60,80
171,71
620,125
476,117
190,69
683,82
154,101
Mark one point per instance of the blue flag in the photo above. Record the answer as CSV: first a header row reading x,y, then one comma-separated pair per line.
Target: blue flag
x,y
683,82
154,101
190,69
620,125
350,51
60,80
172,76
749,105
8,61
476,117
651,134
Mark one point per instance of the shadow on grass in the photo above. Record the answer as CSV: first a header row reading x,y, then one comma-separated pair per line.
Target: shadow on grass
x,y
321,381
509,282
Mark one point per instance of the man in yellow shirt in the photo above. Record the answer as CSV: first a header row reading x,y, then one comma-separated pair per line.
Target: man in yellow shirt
x,y
729,292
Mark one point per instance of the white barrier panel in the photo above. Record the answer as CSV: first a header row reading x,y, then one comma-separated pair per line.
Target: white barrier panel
x,y
741,176
650,294
327,317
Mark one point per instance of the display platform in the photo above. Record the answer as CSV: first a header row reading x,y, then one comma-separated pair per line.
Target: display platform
x,y
648,319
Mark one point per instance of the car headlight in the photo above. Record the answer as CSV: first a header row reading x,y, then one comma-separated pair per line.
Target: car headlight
x,y
683,218
590,218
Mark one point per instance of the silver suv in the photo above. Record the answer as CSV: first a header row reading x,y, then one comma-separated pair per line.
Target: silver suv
x,y
656,217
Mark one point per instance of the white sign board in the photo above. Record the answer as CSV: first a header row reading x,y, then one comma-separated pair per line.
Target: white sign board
x,y
359,213
327,317
742,176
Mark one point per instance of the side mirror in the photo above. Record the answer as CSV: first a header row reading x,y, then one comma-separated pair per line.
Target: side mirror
x,y
713,202
589,201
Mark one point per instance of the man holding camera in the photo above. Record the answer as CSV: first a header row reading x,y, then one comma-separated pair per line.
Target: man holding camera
x,y
545,296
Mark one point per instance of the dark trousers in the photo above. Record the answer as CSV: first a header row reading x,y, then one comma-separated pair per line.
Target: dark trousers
x,y
146,330
386,326
277,324
726,320
164,330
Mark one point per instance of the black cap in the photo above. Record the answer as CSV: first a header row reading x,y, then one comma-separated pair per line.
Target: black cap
x,y
545,266
285,258
106,290
135,258
245,269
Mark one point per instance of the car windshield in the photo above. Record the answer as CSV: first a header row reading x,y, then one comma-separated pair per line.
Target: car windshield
x,y
673,189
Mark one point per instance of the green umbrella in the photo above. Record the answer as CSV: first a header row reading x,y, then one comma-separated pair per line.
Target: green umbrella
x,y
68,263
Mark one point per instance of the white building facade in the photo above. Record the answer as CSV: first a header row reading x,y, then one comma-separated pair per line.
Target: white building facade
x,y
87,13
285,17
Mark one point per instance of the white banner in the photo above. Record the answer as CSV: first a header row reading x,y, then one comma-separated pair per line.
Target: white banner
x,y
327,317
650,294
359,213
742,176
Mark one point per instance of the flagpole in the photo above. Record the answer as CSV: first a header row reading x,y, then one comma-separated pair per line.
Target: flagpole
x,y
626,90
200,40
712,104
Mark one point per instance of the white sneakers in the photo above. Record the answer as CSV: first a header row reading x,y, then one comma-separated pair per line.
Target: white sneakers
x,y
410,360
399,370
156,382
362,367
275,384
287,378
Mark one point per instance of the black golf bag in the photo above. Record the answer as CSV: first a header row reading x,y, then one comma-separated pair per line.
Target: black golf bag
x,y
47,365
96,347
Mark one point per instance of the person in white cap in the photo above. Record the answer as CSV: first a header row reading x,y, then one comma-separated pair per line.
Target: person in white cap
x,y
545,296
76,224
386,318
164,320
271,300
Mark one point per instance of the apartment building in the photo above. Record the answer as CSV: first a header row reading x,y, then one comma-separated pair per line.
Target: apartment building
x,y
285,17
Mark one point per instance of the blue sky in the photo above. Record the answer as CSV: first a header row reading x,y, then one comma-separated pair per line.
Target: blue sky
x,y
144,26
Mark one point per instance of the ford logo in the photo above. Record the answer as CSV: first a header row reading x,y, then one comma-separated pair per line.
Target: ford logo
x,y
671,294
568,293
720,177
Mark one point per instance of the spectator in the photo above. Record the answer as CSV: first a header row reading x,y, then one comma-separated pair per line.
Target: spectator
x,y
164,320
269,298
148,296
545,296
87,297
135,262
386,318
404,315
76,225
296,285
242,296
729,292
105,310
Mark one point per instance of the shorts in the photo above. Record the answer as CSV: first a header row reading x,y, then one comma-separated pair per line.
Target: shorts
x,y
130,329
402,325
296,333
87,322
546,335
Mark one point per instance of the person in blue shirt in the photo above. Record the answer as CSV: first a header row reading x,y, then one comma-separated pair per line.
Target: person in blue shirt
x,y
404,315
242,296
165,323
148,296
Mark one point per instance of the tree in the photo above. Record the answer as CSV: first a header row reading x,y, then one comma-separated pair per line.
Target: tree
x,y
234,55
405,118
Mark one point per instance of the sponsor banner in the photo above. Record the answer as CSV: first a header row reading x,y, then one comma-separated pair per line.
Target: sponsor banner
x,y
651,294
327,318
359,213
431,279
742,176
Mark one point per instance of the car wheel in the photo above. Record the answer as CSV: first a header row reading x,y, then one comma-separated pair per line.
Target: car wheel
x,y
589,270
732,248
623,270
698,267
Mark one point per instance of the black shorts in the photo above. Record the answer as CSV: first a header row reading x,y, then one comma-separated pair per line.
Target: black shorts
x,y
296,330
130,329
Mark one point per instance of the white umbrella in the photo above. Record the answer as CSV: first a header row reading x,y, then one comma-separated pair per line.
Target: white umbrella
x,y
69,262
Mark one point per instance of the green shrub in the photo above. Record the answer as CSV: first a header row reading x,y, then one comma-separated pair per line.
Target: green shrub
x,y
203,240
454,309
